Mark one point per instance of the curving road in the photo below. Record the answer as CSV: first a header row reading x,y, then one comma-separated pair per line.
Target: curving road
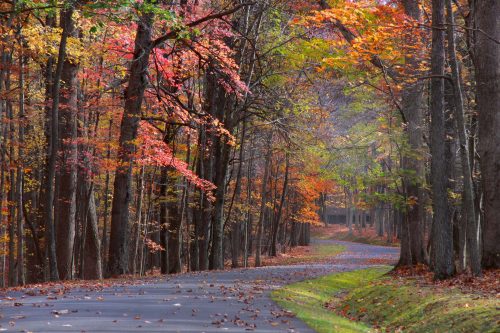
x,y
223,301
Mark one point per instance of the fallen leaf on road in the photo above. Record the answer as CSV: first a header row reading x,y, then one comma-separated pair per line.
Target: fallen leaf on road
x,y
60,312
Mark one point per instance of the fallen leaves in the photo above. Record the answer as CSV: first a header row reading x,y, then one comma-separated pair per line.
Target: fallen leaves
x,y
487,284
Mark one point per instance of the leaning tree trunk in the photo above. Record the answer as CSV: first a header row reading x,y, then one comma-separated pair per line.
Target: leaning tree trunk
x,y
118,241
442,245
92,268
488,100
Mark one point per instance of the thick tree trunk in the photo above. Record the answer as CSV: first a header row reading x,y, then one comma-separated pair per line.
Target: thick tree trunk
x,y
217,103
442,229
487,64
66,199
42,209
67,23
118,242
412,242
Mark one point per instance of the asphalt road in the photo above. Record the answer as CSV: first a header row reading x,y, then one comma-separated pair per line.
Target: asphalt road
x,y
222,301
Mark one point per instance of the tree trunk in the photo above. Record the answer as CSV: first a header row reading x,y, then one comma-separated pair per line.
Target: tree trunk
x,y
138,220
66,199
104,248
468,191
21,274
164,183
92,268
118,242
488,99
217,102
236,227
442,229
413,243
277,218
173,228
263,201
67,20
12,190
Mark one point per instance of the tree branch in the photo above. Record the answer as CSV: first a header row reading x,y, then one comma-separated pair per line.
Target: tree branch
x,y
174,33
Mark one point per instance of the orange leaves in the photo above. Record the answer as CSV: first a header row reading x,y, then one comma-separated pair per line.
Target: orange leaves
x,y
358,31
309,215
152,246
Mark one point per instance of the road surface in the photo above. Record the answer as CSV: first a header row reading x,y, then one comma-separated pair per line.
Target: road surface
x,y
222,301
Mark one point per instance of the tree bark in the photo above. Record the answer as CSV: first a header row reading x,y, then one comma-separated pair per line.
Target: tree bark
x,y
21,272
442,229
468,191
104,242
138,220
12,188
487,51
217,103
53,150
134,94
413,243
174,228
263,201
236,226
92,268
66,198
277,218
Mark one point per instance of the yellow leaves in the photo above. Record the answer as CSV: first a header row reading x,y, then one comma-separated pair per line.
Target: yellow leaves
x,y
75,50
42,48
43,42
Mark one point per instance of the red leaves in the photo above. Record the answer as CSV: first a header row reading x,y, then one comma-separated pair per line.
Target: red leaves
x,y
156,152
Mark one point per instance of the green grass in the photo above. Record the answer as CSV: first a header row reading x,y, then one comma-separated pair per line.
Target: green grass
x,y
402,304
326,250
376,302
307,299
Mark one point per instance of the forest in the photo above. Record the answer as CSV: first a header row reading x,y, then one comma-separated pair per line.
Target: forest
x,y
178,136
